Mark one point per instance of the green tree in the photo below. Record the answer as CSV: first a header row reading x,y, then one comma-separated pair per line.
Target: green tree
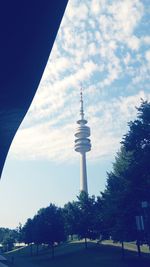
x,y
50,226
2,234
8,237
86,222
71,218
129,182
8,243
137,142
27,233
19,235
100,228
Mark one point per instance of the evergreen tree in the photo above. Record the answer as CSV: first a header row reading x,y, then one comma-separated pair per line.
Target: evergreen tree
x,y
129,182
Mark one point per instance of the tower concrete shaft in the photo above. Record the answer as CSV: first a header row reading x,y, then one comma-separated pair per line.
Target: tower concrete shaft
x,y
83,173
82,145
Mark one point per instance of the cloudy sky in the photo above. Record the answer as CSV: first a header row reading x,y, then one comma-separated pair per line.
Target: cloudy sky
x,y
102,46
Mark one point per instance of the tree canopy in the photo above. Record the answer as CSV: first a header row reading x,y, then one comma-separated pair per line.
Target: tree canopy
x,y
129,182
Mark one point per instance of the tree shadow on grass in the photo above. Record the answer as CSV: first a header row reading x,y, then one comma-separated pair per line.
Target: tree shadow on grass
x,y
130,258
74,254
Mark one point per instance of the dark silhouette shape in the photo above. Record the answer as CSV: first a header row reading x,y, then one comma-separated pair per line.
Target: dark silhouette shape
x,y
28,30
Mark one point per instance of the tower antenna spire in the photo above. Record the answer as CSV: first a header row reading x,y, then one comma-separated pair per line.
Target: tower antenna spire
x,y
81,104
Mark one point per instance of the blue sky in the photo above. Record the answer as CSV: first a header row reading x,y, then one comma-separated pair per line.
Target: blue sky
x,y
103,46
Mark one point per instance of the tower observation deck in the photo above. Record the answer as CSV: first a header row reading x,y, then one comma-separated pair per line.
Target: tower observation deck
x,y
82,145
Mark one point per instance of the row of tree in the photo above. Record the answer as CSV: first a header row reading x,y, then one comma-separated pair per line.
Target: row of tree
x,y
53,225
8,237
118,212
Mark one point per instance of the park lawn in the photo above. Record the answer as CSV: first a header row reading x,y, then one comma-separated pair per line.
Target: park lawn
x,y
127,245
74,254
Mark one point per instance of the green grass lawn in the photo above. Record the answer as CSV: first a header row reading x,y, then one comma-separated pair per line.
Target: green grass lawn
x,y
128,246
74,254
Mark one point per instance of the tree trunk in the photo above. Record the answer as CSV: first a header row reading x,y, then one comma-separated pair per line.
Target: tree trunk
x,y
53,255
85,242
122,249
37,249
31,250
138,248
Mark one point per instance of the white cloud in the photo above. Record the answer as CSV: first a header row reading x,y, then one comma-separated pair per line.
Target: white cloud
x,y
146,40
133,43
127,59
98,46
92,49
79,11
147,56
96,6
126,15
51,140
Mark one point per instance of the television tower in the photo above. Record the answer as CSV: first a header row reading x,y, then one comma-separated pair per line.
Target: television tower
x,y
82,145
